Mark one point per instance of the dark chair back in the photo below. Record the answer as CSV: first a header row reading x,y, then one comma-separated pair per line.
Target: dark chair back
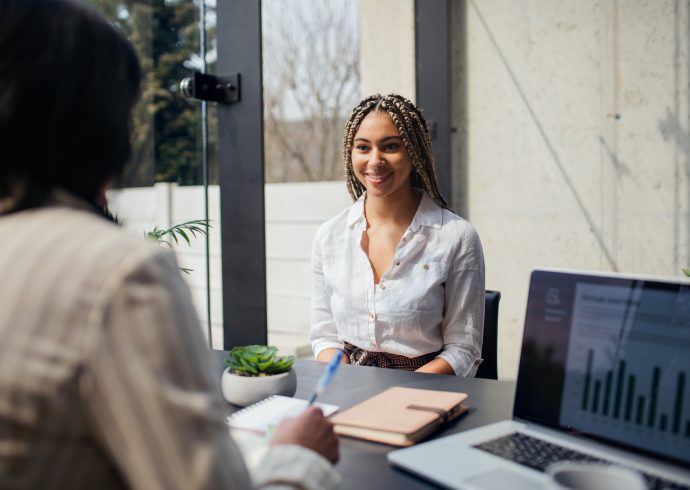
x,y
489,368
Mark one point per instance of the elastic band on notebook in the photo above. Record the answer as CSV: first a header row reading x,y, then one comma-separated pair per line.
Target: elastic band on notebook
x,y
441,413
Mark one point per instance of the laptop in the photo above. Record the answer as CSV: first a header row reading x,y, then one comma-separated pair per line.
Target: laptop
x,y
604,375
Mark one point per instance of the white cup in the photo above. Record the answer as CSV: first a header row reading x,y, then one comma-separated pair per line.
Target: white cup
x,y
593,476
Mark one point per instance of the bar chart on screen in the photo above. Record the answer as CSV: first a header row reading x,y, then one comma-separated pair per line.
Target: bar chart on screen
x,y
632,350
619,396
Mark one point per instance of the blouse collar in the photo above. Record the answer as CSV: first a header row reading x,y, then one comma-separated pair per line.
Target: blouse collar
x,y
429,213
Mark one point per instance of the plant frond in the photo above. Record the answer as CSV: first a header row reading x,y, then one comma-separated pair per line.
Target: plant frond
x,y
166,236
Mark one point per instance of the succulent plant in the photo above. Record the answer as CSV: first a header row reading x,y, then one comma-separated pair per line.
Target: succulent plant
x,y
257,360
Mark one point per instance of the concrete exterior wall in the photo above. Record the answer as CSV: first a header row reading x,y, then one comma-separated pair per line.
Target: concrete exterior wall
x,y
387,49
573,148
293,213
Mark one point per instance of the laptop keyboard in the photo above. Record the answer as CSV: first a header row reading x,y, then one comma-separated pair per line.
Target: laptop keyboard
x,y
538,455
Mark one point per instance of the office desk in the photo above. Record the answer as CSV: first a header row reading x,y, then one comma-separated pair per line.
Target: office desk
x,y
363,465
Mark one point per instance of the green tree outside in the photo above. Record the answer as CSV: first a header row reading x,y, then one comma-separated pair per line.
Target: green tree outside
x,y
166,125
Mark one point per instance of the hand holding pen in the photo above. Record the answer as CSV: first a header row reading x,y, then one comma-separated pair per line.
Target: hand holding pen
x,y
311,429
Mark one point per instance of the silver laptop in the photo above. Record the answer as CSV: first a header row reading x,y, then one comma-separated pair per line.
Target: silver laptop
x,y
604,376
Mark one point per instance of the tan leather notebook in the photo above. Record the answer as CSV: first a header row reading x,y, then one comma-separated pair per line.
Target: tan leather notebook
x,y
399,416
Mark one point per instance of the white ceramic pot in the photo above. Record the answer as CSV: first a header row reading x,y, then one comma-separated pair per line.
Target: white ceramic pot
x,y
245,390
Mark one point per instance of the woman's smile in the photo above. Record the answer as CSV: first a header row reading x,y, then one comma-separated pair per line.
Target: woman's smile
x,y
379,157
378,177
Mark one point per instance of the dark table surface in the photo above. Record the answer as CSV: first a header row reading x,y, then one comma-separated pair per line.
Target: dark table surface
x,y
363,464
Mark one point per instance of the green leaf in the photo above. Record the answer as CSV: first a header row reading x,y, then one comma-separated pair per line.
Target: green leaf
x,y
180,231
686,272
200,226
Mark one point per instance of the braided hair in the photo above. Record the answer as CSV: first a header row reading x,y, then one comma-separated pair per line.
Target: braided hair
x,y
413,130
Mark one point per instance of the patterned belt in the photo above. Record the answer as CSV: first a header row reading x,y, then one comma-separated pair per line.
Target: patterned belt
x,y
361,357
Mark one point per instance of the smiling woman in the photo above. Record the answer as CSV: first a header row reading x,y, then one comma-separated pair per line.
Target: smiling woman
x,y
398,279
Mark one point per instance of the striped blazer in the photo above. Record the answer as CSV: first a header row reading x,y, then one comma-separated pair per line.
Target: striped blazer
x,y
105,379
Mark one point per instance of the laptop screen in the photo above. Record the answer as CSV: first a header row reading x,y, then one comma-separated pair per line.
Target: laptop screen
x,y
608,357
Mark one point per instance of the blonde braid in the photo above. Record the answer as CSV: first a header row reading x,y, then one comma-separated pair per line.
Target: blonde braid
x,y
415,136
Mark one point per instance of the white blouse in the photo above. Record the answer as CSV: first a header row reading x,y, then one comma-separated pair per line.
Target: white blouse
x,y
431,298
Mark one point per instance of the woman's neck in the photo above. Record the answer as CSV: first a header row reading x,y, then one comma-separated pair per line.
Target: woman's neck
x,y
398,208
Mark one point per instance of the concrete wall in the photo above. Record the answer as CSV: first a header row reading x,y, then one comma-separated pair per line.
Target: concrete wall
x,y
573,147
387,52
293,213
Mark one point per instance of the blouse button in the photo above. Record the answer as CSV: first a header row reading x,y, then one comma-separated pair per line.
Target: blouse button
x,y
371,315
382,286
397,262
426,267
404,239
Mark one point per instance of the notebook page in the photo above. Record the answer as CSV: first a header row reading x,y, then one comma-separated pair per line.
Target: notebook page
x,y
268,413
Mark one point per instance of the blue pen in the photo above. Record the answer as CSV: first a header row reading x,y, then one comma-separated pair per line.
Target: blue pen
x,y
327,376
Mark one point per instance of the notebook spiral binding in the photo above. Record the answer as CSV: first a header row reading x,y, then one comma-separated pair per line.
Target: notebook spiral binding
x,y
250,408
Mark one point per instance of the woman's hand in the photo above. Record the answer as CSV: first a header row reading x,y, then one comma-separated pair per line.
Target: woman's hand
x,y
327,354
311,430
436,366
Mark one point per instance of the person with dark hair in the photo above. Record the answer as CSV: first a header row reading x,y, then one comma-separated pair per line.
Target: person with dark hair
x,y
105,379
398,279
68,87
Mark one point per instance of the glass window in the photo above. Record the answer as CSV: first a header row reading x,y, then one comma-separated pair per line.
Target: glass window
x,y
166,186
310,84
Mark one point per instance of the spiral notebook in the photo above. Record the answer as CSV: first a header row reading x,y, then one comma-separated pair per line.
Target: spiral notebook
x,y
263,416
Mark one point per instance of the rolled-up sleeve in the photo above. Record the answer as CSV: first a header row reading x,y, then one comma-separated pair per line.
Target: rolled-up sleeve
x,y
285,465
463,319
323,333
